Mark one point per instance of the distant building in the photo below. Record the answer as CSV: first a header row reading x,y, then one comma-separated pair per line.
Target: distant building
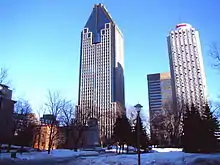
x,y
86,136
49,119
101,77
6,114
47,126
42,136
160,100
186,67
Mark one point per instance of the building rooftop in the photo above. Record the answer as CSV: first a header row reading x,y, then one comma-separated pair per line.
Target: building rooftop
x,y
183,26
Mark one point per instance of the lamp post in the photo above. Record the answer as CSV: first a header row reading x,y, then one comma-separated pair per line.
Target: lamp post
x,y
138,108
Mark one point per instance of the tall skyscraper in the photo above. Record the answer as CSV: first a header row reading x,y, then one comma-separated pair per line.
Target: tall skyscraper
x,y
101,78
160,99
186,66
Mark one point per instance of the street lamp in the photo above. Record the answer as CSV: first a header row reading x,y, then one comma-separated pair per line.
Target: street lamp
x,y
138,108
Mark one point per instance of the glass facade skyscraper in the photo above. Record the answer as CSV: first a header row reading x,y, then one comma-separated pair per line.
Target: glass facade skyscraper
x,y
101,78
160,100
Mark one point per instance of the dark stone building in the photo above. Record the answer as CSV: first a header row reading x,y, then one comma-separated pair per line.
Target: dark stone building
x,y
6,114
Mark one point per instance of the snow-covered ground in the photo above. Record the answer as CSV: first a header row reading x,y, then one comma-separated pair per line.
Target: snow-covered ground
x,y
59,153
166,149
166,156
159,156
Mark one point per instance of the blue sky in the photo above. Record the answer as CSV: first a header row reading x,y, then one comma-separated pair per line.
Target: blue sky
x,y
40,42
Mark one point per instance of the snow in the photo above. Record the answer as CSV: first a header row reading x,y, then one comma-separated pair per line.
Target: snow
x,y
159,156
114,149
58,153
166,149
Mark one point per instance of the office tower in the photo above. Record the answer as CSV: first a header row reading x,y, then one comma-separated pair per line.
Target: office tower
x,y
186,67
160,100
101,78
6,114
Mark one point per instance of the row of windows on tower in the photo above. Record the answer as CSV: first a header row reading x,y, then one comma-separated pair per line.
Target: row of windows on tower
x,y
191,93
90,48
188,51
187,57
190,75
103,82
194,98
100,62
184,42
186,87
92,58
182,35
191,31
185,51
185,62
104,49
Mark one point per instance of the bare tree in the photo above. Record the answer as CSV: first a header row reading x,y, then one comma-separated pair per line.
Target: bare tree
x,y
131,114
4,76
215,54
167,124
215,108
22,106
23,122
20,117
79,127
66,121
54,106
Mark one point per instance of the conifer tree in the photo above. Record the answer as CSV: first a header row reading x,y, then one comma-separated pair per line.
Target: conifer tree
x,y
210,126
144,138
122,131
192,130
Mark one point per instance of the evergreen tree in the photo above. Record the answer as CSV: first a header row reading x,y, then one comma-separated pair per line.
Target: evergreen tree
x,y
122,131
144,138
192,130
210,125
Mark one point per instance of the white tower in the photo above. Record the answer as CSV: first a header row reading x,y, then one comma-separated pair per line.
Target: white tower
x,y
186,66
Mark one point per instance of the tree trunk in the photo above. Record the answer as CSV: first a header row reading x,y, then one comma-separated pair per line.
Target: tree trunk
x,y
50,139
123,147
39,138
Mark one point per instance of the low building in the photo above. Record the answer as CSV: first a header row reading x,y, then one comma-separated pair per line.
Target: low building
x,y
46,130
42,137
6,114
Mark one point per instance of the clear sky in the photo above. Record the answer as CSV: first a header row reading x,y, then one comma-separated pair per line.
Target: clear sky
x,y
40,42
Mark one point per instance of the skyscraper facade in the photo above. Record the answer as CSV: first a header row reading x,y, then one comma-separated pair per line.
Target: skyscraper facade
x,y
160,100
101,77
186,66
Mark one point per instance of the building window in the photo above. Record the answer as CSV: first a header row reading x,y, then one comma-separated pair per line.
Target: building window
x,y
85,30
107,26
